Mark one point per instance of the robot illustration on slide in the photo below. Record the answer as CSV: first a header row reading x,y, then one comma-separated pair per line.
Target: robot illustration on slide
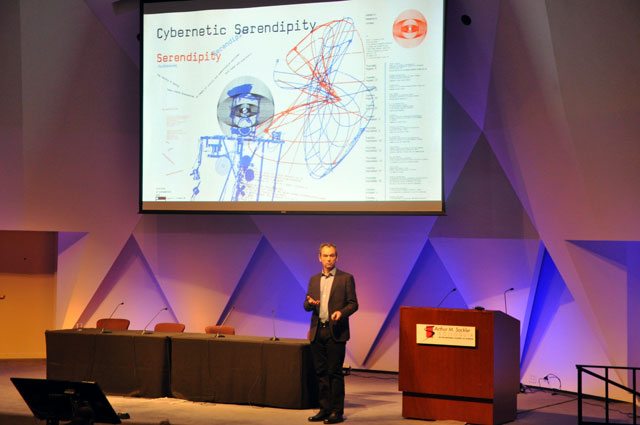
x,y
330,111
244,106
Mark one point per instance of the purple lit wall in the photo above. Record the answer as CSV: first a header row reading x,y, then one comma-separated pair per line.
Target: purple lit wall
x,y
542,164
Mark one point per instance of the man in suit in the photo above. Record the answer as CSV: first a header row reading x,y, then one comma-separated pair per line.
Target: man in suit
x,y
331,298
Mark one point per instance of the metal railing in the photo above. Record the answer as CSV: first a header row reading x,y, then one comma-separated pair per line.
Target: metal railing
x,y
583,369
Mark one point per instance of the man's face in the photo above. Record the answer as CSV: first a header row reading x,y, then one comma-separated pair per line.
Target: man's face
x,y
328,257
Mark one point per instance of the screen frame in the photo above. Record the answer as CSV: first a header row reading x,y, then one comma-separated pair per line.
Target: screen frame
x,y
414,208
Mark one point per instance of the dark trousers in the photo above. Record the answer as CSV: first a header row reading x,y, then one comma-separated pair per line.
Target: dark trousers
x,y
328,358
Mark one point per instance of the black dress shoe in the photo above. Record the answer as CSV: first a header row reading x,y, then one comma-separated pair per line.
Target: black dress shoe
x,y
334,418
320,416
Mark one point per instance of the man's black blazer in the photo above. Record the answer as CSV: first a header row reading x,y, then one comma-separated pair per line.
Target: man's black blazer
x,y
343,298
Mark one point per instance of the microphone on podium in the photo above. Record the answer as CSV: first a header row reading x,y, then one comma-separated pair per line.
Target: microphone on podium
x,y
505,299
145,331
445,297
107,331
219,335
273,320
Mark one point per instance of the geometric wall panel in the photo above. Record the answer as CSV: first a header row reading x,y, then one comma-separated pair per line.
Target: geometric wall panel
x,y
483,269
614,251
600,104
360,239
604,282
122,24
558,336
458,141
267,288
71,248
469,54
427,286
131,281
524,123
550,295
482,203
67,239
197,260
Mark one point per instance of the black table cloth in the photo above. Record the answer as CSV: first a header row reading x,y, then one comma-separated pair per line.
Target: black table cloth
x,y
121,362
243,370
198,367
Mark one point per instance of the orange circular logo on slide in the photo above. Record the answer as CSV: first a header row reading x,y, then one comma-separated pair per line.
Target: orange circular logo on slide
x,y
409,28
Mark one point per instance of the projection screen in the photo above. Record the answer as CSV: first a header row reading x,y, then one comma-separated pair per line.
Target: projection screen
x,y
320,107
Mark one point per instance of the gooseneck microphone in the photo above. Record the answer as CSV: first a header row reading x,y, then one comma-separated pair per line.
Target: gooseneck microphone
x,y
505,299
219,335
273,320
145,331
445,297
107,331
114,310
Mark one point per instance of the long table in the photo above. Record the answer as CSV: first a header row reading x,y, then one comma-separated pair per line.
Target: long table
x,y
121,362
243,370
199,367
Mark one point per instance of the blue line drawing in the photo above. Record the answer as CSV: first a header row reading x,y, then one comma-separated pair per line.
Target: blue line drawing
x,y
334,107
328,117
236,159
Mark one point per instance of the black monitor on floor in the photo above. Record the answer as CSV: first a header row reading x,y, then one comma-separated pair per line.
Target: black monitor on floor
x,y
54,401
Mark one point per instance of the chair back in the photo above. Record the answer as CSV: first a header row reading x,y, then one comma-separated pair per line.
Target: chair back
x,y
113,324
226,330
169,327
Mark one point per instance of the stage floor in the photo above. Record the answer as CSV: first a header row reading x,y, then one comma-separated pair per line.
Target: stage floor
x,y
372,398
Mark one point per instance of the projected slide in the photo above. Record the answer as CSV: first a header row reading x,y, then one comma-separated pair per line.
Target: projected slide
x,y
315,107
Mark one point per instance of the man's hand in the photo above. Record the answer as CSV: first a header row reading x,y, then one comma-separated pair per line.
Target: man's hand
x,y
336,316
312,301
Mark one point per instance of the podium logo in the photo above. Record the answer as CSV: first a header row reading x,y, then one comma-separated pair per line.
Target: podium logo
x,y
429,331
452,335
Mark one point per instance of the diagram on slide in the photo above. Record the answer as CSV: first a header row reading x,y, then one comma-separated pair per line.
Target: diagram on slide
x,y
258,148
245,104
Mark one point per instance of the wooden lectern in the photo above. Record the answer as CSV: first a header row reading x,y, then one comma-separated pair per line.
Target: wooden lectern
x,y
477,384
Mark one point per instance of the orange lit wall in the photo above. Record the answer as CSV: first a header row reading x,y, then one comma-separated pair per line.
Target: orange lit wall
x,y
28,309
